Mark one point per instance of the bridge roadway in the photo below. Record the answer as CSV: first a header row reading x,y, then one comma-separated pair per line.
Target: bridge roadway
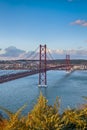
x,y
9,77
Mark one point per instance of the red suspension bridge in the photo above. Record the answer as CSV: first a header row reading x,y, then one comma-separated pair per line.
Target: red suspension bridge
x,y
42,68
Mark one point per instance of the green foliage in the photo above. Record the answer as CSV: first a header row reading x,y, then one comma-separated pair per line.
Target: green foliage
x,y
74,119
45,117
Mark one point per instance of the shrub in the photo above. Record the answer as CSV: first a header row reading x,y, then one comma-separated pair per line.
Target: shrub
x,y
45,117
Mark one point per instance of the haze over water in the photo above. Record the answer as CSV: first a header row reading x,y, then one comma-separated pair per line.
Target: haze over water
x,y
68,87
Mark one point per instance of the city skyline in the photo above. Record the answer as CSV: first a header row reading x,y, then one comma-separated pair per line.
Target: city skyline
x,y
61,24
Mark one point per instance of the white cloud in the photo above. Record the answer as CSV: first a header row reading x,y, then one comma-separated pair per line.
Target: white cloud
x,y
2,51
80,22
12,53
74,53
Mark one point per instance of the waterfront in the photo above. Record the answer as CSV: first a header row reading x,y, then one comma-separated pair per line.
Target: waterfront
x,y
69,87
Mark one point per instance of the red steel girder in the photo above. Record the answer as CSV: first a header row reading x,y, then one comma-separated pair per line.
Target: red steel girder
x,y
42,66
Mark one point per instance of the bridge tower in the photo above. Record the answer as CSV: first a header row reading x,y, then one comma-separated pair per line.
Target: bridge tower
x,y
68,66
42,66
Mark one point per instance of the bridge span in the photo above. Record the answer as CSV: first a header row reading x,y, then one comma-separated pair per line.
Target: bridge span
x,y
43,68
14,76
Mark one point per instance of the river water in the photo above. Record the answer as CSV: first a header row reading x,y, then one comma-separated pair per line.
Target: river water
x,y
69,87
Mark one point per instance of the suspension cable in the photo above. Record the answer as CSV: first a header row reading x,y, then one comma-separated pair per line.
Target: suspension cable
x,y
32,54
50,54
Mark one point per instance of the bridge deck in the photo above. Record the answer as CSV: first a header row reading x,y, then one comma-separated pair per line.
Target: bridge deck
x,y
9,77
14,76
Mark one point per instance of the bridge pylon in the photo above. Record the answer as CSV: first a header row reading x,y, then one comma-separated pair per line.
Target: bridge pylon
x,y
68,66
42,66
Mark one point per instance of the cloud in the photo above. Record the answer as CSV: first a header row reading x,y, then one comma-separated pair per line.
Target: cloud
x,y
13,53
80,22
79,53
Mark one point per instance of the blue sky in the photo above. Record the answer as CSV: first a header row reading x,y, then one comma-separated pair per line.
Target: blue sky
x,y
61,24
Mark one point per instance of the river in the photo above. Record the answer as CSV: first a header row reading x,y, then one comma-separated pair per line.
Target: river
x,y
69,87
